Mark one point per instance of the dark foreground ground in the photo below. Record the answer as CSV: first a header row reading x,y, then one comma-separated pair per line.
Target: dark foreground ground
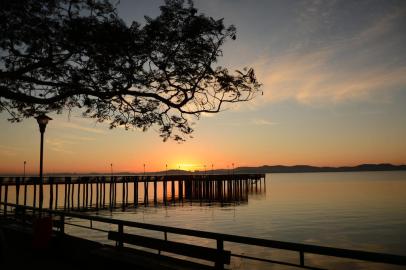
x,y
18,252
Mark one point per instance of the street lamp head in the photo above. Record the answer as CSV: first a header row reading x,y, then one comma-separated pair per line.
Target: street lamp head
x,y
42,120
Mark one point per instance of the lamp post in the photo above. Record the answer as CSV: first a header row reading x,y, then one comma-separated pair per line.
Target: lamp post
x,y
25,162
42,120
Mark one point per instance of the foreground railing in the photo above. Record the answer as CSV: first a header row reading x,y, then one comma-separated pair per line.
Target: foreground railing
x,y
15,212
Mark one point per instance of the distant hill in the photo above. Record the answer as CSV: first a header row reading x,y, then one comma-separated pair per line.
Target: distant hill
x,y
260,169
307,168
295,169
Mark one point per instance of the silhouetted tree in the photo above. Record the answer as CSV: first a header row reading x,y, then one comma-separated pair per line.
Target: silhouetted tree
x,y
58,55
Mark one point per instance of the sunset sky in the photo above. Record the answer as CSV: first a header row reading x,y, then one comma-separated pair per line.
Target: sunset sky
x,y
334,82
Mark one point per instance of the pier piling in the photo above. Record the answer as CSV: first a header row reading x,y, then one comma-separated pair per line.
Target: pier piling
x,y
193,188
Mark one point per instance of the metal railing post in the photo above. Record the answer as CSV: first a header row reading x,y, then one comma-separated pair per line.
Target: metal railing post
x,y
166,239
121,231
220,249
62,225
5,199
301,258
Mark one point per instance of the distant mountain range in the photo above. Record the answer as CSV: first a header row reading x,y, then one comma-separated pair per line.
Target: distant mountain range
x,y
264,169
285,169
307,168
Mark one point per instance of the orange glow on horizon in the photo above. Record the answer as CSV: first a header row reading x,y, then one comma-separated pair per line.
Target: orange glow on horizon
x,y
80,152
51,167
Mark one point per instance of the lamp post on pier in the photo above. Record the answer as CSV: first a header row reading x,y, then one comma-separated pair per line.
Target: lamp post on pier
x,y
25,162
42,120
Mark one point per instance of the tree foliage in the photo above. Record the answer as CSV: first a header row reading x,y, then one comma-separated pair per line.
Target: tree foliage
x,y
58,55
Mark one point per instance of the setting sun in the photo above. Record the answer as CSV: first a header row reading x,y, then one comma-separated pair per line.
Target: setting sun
x,y
190,167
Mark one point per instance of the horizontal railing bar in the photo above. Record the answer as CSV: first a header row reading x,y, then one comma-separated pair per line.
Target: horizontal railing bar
x,y
275,261
306,248
14,180
130,175
86,227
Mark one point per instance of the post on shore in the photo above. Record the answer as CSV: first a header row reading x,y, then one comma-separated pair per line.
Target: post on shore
x,y
155,191
135,191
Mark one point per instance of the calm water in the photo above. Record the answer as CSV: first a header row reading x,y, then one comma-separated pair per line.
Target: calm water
x,y
361,210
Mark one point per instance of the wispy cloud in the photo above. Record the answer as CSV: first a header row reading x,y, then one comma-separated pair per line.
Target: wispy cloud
x,y
262,122
383,26
255,122
60,145
354,68
9,150
208,115
79,138
81,127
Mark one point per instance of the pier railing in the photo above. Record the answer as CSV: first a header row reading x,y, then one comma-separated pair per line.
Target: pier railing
x,y
61,179
218,238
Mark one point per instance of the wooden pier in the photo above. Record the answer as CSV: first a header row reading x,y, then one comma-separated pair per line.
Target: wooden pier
x,y
118,191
